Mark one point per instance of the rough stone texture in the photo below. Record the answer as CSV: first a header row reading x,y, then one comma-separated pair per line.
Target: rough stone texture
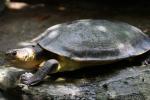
x,y
131,83
119,82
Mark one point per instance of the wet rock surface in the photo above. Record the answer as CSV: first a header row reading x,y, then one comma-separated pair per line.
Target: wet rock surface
x,y
113,82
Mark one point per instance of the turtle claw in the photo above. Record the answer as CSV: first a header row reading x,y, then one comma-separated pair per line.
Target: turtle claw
x,y
29,79
26,76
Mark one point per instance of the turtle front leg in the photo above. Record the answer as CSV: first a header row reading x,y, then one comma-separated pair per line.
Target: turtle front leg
x,y
33,79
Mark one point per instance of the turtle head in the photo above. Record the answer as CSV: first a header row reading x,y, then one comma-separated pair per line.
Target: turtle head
x,y
23,57
23,54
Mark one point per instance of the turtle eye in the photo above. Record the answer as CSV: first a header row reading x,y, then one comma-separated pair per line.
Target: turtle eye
x,y
14,53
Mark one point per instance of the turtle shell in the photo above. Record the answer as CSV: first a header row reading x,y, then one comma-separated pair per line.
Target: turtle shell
x,y
98,40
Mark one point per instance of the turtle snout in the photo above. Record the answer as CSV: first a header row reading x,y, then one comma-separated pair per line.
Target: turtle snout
x,y
11,53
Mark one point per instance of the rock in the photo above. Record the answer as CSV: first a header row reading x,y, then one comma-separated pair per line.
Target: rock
x,y
9,77
130,83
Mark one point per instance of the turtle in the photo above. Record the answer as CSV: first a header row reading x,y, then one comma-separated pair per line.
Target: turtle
x,y
78,44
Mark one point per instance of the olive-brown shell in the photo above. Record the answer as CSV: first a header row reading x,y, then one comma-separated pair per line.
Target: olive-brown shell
x,y
98,40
